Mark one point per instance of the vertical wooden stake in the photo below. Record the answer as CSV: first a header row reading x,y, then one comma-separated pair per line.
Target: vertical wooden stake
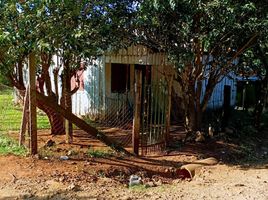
x,y
25,118
32,104
137,113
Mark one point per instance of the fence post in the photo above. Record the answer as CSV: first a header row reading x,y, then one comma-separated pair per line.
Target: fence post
x,y
32,104
137,113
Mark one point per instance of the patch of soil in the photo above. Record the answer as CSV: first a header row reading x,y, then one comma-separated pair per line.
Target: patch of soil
x,y
84,177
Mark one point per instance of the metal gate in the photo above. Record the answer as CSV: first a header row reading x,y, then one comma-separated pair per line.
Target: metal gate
x,y
153,111
153,124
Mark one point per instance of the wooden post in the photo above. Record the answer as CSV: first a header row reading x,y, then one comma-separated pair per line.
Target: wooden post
x,y
32,104
170,81
25,118
137,113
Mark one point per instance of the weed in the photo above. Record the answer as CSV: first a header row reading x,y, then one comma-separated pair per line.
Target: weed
x,y
138,187
45,152
101,174
94,153
10,146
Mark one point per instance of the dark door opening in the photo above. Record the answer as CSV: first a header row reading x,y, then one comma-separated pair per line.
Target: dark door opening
x,y
120,78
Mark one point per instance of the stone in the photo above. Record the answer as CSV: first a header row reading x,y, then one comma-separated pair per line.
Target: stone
x,y
150,184
61,179
134,180
74,187
70,152
64,158
158,183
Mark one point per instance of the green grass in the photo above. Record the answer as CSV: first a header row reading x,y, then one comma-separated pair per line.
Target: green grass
x,y
95,153
11,114
10,146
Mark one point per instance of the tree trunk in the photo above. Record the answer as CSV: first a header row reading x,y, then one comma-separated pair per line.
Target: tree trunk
x,y
192,106
55,119
67,100
198,109
20,72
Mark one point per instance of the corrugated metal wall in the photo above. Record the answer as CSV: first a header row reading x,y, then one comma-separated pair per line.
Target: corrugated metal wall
x,y
217,98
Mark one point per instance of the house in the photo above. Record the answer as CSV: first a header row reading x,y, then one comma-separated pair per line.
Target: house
x,y
106,93
108,82
223,93
109,85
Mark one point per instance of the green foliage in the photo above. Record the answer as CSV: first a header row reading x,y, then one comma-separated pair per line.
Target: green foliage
x,y
173,26
95,153
186,30
203,39
4,80
10,146
71,29
243,123
138,188
264,119
45,152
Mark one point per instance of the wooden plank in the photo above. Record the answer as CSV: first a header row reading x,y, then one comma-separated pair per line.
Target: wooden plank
x,y
25,118
137,113
80,123
32,105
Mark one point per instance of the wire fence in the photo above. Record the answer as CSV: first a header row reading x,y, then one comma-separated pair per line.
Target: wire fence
x,y
115,118
11,112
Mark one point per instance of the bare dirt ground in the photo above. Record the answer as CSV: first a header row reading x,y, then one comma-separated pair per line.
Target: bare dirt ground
x,y
85,177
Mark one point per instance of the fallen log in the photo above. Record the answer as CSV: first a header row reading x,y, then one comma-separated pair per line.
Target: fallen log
x,y
188,171
81,123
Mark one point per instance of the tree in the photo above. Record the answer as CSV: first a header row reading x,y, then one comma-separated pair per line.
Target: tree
x,y
73,30
203,39
254,61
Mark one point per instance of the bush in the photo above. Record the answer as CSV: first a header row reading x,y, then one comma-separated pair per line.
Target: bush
x,y
10,146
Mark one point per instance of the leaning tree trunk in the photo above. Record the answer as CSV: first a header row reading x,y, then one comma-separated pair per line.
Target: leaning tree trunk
x,y
55,119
